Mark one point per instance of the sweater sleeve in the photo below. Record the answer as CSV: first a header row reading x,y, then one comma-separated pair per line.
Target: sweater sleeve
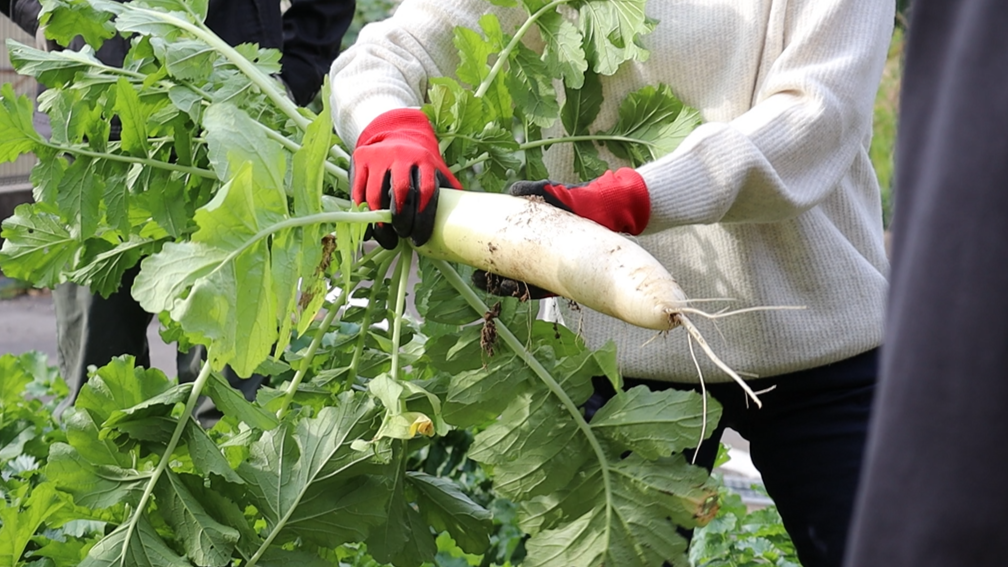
x,y
390,63
811,114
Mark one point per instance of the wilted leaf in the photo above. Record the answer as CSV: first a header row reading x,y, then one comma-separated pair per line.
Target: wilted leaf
x,y
563,52
63,20
612,30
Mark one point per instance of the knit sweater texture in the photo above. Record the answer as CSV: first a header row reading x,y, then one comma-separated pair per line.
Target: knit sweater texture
x,y
772,201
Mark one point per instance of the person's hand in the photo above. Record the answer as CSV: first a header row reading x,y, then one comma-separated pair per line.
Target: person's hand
x,y
618,200
507,287
397,165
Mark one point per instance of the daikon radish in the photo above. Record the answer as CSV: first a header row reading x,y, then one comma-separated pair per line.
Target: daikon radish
x,y
534,242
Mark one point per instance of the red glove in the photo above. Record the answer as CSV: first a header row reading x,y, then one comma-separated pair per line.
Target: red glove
x,y
618,200
397,165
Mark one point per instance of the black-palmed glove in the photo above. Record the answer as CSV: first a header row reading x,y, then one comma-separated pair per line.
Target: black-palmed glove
x,y
618,200
507,287
397,165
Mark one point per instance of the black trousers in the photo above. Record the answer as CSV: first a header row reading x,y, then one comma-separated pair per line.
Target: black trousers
x,y
935,486
807,442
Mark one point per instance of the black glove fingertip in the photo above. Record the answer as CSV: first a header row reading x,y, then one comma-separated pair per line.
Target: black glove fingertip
x,y
527,188
384,235
423,222
403,217
537,189
479,279
507,287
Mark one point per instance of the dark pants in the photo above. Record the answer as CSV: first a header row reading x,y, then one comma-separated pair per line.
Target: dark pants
x,y
935,486
807,442
91,330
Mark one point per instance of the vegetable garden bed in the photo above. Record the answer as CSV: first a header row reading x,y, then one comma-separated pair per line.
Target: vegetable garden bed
x,y
233,200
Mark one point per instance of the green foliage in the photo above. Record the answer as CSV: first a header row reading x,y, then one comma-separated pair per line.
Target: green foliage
x,y
656,122
741,538
16,128
611,31
123,198
886,116
367,11
499,80
29,391
457,440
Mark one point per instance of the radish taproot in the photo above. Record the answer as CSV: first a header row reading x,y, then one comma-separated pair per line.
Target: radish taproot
x,y
534,242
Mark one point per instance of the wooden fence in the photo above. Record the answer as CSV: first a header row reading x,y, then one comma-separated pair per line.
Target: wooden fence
x,y
14,176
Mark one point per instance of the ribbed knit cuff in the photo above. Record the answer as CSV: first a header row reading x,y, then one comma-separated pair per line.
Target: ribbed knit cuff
x,y
350,122
400,123
682,187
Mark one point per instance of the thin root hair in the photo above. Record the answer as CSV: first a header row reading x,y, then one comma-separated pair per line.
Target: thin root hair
x,y
703,395
723,313
695,333
653,337
760,392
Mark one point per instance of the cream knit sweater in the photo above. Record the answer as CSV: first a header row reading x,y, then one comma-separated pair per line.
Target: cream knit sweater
x,y
771,202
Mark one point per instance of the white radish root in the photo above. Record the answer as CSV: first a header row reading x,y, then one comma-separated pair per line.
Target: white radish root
x,y
533,242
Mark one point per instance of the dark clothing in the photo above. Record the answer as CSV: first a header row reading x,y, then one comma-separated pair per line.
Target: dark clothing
x,y
308,34
806,440
934,490
91,329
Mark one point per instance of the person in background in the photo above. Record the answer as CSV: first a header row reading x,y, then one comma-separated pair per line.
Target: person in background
x,y
933,489
773,201
90,329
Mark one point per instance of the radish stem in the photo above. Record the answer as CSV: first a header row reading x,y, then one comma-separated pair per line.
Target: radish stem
x,y
310,352
502,57
384,261
183,420
540,371
403,272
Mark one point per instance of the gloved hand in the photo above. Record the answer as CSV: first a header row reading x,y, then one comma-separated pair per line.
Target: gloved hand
x,y
507,287
617,200
397,165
